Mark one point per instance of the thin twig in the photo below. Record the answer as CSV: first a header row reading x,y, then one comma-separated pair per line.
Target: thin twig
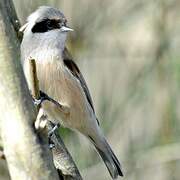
x,y
34,80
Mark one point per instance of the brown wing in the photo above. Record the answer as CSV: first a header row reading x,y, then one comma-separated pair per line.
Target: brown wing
x,y
70,64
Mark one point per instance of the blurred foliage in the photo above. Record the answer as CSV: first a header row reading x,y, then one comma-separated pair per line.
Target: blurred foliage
x,y
129,54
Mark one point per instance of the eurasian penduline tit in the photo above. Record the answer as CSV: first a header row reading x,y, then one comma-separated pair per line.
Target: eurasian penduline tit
x,y
44,40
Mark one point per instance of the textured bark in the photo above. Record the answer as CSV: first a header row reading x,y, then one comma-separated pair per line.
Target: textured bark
x,y
62,158
27,153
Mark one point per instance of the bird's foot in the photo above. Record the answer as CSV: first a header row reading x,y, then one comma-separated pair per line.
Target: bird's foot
x,y
50,133
43,97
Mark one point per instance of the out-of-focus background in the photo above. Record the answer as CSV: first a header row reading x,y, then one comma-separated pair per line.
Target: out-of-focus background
x,y
129,54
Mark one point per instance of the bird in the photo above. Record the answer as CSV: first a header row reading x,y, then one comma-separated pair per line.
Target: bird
x,y
44,39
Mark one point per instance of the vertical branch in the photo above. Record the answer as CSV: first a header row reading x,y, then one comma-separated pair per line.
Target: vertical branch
x,y
27,155
62,158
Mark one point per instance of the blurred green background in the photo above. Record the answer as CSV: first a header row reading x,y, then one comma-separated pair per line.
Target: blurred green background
x,y
129,54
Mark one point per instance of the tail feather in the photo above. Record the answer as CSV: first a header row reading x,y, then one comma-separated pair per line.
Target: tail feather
x,y
112,163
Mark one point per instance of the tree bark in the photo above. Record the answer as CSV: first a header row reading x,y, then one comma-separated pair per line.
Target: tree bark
x,y
27,153
62,158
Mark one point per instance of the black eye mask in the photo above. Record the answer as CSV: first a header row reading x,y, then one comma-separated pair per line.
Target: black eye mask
x,y
46,25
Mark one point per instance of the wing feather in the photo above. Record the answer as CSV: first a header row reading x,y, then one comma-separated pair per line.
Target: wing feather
x,y
70,64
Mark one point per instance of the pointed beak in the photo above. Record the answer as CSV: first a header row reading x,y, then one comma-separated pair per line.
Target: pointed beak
x,y
65,29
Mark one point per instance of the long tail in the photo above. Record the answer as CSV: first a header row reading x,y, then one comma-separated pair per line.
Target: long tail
x,y
112,163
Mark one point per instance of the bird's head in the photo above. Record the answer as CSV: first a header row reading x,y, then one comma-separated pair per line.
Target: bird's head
x,y
45,26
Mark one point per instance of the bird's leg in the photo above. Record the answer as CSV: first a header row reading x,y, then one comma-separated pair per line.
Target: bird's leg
x,y
56,126
50,133
44,96
42,118
40,124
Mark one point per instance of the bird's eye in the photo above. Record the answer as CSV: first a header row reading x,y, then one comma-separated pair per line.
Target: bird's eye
x,y
49,25
60,22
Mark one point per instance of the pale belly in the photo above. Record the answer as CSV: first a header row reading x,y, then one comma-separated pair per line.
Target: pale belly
x,y
59,84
